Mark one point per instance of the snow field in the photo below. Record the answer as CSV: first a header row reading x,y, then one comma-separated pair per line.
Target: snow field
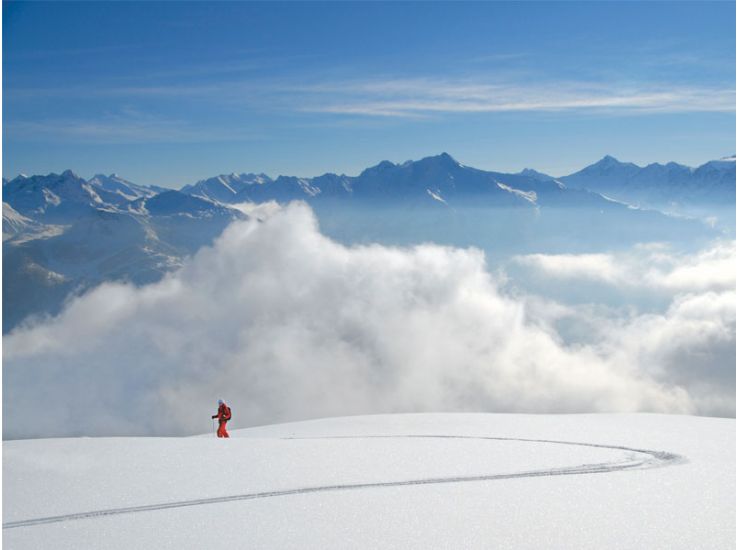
x,y
687,504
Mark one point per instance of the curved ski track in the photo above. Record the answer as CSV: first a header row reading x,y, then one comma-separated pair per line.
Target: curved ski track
x,y
640,459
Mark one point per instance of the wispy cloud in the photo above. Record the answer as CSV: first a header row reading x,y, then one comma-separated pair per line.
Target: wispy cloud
x,y
125,126
333,100
416,97
58,53
427,96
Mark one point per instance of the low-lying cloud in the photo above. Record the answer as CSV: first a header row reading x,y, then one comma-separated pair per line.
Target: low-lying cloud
x,y
285,324
652,266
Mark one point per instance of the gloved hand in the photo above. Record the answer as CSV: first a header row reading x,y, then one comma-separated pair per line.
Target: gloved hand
x,y
214,416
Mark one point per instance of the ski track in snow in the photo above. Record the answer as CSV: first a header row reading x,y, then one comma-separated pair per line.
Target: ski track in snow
x,y
647,459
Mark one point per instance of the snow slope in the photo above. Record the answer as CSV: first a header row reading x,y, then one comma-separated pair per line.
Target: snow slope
x,y
387,481
14,223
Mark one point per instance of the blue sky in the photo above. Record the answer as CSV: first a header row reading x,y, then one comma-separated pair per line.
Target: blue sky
x,y
169,93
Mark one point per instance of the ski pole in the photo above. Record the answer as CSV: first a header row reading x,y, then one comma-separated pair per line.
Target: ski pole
x,y
213,419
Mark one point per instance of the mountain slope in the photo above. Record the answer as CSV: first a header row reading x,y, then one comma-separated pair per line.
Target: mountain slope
x,y
56,197
226,187
126,189
71,235
15,223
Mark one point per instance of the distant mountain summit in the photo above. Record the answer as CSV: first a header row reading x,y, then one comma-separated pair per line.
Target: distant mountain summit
x,y
54,197
659,185
534,174
126,189
226,187
603,173
65,198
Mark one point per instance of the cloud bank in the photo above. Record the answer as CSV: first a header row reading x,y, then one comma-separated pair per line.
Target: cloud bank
x,y
652,267
285,324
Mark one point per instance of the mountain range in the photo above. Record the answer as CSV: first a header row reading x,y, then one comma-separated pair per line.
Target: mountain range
x,y
435,179
63,234
443,179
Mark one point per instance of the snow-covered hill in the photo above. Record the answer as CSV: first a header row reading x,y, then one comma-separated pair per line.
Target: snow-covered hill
x,y
387,481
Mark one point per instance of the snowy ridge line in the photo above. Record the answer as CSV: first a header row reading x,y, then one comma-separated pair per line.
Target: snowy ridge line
x,y
651,459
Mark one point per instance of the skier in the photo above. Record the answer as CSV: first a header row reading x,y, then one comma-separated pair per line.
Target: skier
x,y
223,416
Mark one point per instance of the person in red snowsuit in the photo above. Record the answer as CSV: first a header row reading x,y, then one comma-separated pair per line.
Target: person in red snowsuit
x,y
223,416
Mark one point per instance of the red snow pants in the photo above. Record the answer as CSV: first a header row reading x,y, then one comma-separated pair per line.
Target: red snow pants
x,y
222,429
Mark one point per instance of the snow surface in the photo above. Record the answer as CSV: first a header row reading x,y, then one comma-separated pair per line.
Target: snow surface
x,y
530,196
436,196
386,481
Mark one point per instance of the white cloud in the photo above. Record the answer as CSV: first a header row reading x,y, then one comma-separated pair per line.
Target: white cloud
x,y
653,267
125,126
714,268
387,96
600,267
692,343
424,96
286,324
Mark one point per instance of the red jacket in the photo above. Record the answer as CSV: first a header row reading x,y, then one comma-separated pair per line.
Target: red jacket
x,y
224,413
